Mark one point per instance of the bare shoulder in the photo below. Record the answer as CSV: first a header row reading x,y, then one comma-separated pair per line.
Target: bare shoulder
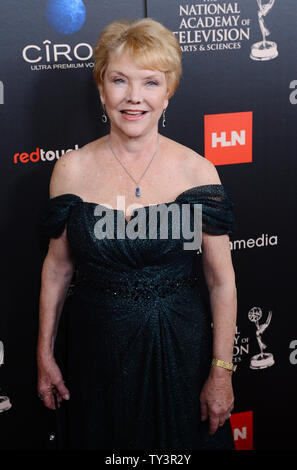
x,y
196,169
68,169
64,172
201,170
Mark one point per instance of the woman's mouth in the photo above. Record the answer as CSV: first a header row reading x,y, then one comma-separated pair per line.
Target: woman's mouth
x,y
132,115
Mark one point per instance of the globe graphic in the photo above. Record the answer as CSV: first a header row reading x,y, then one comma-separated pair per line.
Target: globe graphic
x,y
65,16
255,314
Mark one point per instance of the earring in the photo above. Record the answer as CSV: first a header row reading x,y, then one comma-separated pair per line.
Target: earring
x,y
104,117
164,119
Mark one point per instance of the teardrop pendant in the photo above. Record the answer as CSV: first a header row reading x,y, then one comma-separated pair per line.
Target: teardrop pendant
x,y
137,192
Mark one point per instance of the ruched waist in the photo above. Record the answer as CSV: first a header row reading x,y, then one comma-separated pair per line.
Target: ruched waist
x,y
134,285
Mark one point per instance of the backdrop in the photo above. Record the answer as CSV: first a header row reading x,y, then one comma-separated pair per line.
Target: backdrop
x,y
236,105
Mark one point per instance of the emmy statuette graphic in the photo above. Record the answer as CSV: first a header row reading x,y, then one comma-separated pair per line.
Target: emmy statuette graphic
x,y
4,401
262,360
264,50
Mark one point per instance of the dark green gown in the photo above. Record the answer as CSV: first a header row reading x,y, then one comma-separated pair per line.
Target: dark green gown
x,y
139,332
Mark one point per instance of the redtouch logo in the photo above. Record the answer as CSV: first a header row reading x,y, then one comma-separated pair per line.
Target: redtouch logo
x,y
40,154
242,427
228,138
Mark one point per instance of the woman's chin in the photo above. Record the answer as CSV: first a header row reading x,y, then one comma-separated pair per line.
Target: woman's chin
x,y
132,130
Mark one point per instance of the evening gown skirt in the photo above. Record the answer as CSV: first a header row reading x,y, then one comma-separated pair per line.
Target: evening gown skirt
x,y
139,336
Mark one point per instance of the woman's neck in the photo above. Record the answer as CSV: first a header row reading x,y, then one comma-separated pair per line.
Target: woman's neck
x,y
133,148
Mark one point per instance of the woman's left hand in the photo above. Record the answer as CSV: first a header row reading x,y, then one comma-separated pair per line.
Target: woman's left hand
x,y
216,398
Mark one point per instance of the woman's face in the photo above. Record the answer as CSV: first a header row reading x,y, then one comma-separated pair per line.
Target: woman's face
x,y
134,98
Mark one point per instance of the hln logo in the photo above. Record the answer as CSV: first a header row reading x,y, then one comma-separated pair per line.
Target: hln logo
x,y
1,93
242,427
236,138
228,138
240,433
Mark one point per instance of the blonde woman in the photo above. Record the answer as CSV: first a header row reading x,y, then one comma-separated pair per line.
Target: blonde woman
x,y
145,368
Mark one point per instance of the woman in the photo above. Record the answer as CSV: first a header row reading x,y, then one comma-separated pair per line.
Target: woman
x,y
140,373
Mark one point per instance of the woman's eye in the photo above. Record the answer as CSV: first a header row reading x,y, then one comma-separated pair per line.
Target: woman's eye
x,y
118,80
152,82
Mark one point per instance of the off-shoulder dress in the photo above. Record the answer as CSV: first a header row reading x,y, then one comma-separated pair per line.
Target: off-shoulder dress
x,y
139,332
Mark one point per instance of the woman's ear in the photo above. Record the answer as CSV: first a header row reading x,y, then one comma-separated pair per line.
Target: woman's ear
x,y
101,94
168,96
166,102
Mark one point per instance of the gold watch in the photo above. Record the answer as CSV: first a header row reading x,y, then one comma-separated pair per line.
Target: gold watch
x,y
224,365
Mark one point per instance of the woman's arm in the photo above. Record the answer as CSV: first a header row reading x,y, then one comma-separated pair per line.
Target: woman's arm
x,y
57,272
217,398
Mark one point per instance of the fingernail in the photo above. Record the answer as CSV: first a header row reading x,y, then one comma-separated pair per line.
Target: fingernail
x,y
66,396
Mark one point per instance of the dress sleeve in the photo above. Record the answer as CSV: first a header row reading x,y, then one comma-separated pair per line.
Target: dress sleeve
x,y
217,207
56,213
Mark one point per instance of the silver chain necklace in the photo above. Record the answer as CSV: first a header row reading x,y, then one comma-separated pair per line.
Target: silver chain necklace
x,y
137,190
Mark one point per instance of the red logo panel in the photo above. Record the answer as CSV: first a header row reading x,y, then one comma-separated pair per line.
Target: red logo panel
x,y
228,138
242,427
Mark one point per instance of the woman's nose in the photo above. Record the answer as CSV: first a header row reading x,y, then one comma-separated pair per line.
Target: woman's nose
x,y
134,94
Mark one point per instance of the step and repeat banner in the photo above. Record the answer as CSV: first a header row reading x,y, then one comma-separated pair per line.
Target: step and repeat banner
x,y
236,105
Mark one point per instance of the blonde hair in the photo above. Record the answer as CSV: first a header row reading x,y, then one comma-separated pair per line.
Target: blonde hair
x,y
151,45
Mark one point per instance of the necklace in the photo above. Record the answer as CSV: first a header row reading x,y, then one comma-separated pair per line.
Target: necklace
x,y
137,190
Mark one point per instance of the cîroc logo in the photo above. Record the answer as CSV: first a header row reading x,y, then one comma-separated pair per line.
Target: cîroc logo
x,y
66,16
54,52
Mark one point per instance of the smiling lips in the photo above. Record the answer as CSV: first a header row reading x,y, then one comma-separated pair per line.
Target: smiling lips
x,y
132,114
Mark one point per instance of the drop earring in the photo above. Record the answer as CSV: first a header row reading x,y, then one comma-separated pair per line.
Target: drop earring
x,y
104,117
164,119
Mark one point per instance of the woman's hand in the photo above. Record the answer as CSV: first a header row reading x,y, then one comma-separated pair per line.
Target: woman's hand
x,y
216,398
50,381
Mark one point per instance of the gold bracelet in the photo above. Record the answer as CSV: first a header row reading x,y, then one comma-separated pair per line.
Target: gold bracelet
x,y
225,365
